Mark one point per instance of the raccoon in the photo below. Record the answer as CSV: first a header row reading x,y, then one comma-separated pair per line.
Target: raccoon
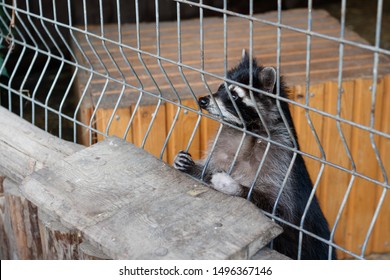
x,y
277,158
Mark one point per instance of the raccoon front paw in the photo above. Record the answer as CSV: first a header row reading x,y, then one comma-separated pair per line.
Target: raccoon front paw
x,y
183,161
224,183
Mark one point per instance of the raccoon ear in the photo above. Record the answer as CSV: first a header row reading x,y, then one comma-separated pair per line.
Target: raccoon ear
x,y
267,77
244,55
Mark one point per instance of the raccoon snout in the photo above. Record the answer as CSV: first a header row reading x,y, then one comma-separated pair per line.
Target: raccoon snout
x,y
204,102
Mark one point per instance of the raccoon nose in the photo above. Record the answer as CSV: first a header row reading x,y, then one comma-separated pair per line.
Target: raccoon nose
x,y
204,101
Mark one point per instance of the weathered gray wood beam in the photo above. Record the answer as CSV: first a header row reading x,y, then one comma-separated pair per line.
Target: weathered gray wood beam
x,y
25,148
133,206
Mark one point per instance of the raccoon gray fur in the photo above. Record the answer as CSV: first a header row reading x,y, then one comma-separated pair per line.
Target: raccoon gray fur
x,y
268,184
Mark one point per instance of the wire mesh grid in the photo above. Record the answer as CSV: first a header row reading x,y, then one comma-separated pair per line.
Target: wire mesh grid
x,y
133,61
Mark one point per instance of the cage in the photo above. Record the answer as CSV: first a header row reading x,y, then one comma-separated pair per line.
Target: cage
x,y
84,71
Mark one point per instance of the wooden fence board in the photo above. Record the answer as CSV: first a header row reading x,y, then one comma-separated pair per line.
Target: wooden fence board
x,y
334,185
184,128
305,134
363,198
4,243
381,238
156,137
118,125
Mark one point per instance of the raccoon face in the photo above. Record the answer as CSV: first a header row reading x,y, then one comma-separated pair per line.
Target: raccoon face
x,y
220,104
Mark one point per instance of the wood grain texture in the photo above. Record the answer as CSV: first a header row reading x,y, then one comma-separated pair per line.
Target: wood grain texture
x,y
25,148
324,54
4,243
305,132
184,127
381,238
136,207
117,126
208,130
363,199
86,251
21,226
269,254
62,243
58,241
158,131
335,181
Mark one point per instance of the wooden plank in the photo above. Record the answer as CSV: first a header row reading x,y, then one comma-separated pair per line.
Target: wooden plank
x,y
137,207
4,242
118,125
183,129
25,148
268,254
86,107
191,43
306,138
58,242
208,130
381,238
291,17
335,182
22,225
62,243
292,52
363,198
156,137
83,133
87,251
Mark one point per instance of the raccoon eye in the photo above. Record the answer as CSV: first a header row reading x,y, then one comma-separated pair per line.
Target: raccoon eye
x,y
233,91
234,95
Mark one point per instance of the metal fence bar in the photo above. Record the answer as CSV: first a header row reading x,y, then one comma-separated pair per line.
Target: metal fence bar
x,y
9,37
225,70
278,82
75,72
265,125
309,121
117,68
129,65
39,81
209,92
154,115
179,57
50,92
141,87
342,137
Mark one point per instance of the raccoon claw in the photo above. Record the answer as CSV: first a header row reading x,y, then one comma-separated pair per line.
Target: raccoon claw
x,y
183,161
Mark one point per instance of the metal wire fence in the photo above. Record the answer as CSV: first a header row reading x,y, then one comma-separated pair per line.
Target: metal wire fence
x,y
94,61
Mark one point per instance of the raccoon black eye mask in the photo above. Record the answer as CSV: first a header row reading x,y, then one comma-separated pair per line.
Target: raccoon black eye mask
x,y
276,160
